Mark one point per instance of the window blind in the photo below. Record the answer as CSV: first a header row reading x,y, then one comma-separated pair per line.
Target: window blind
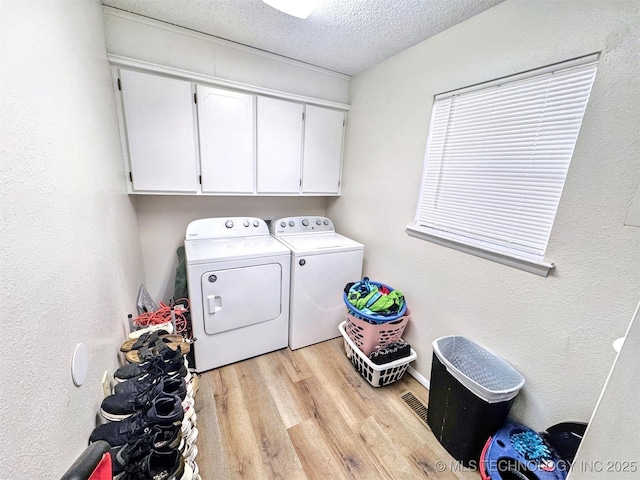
x,y
497,157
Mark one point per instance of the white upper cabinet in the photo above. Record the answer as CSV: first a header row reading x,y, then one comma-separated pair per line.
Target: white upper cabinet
x,y
279,145
322,157
191,135
226,126
160,133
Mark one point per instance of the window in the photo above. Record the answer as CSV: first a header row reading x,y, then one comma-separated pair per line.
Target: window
x,y
496,161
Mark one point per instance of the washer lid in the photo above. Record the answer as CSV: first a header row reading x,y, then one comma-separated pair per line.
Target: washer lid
x,y
309,244
218,250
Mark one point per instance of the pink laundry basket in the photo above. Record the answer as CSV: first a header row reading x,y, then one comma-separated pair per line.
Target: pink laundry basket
x,y
369,337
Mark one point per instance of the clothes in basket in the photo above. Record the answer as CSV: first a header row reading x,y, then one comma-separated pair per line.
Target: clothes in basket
x,y
374,298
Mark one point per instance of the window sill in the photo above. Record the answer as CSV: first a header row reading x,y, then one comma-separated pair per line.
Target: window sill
x,y
538,267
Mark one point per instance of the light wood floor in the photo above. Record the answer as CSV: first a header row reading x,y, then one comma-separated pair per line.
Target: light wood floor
x,y
307,414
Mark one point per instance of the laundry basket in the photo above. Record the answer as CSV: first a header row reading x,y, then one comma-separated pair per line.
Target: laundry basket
x,y
369,337
376,375
372,317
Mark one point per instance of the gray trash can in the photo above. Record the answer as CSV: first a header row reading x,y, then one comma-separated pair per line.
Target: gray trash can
x,y
471,393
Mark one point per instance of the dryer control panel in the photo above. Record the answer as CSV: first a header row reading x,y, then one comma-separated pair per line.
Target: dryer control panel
x,y
225,227
298,225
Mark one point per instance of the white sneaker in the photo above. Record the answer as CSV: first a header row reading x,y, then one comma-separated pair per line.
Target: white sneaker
x,y
192,457
187,452
186,427
189,412
168,326
190,454
193,435
188,473
188,401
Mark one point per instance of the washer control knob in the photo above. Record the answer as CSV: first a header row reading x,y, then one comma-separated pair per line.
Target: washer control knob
x,y
291,223
256,223
246,223
318,222
228,224
305,222
302,262
283,224
326,222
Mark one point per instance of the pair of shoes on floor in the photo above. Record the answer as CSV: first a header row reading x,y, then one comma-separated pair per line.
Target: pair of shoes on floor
x,y
153,455
158,465
147,339
162,361
146,444
164,411
137,351
154,452
119,406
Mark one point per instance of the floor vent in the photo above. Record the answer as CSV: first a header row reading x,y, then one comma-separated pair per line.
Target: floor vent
x,y
417,407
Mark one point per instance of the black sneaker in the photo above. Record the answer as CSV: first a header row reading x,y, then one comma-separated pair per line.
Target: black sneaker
x,y
122,405
138,384
158,438
167,362
167,438
163,411
157,465
142,382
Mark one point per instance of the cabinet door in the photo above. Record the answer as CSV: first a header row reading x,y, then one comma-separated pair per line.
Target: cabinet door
x,y
226,124
161,134
322,156
279,145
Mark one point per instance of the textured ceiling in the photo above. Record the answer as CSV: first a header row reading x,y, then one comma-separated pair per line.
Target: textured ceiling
x,y
346,36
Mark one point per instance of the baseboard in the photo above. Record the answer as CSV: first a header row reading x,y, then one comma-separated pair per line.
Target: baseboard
x,y
419,377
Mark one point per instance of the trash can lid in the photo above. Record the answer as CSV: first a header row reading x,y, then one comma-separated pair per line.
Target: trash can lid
x,y
481,371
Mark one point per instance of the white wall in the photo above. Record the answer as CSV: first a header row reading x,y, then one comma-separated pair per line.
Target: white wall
x,y
70,249
602,452
556,331
152,41
163,220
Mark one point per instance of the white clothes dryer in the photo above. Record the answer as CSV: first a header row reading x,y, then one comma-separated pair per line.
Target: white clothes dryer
x,y
238,280
322,263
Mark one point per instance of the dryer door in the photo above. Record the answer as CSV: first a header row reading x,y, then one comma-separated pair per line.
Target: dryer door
x,y
238,297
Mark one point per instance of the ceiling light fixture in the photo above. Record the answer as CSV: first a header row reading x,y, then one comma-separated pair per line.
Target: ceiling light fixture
x,y
296,8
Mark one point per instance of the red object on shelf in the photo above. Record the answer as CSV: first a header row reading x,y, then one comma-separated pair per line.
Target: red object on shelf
x,y
103,470
94,463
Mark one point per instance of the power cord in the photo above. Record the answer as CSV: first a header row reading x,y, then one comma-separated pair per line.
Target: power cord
x,y
165,314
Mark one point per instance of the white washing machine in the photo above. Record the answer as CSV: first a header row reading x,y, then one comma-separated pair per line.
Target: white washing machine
x,y
322,263
238,280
